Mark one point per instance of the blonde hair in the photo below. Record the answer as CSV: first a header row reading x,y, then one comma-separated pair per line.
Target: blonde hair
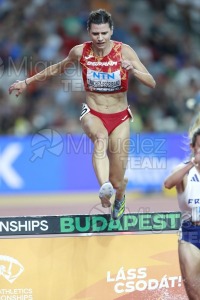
x,y
194,130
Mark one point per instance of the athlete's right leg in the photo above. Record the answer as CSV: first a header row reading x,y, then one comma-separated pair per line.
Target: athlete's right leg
x,y
189,259
96,131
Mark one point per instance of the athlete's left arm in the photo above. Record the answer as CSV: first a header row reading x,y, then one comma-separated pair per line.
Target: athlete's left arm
x,y
130,61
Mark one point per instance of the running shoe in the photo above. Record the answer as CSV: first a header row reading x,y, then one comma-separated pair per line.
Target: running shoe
x,y
105,193
118,209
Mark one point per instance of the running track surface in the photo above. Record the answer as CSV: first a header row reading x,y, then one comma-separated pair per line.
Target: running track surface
x,y
66,204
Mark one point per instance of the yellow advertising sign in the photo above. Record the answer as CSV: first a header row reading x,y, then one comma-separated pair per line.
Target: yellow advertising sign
x,y
122,267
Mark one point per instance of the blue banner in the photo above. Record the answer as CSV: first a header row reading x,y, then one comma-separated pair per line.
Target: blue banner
x,y
51,162
153,157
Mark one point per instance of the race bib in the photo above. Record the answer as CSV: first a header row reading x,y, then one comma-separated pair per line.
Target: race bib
x,y
103,82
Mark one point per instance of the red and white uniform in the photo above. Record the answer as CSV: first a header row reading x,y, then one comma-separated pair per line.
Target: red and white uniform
x,y
103,74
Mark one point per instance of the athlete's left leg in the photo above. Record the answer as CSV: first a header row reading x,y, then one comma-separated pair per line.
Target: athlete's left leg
x,y
118,149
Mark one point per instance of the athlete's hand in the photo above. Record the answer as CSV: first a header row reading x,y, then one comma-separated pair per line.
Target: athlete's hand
x,y
18,86
197,157
126,64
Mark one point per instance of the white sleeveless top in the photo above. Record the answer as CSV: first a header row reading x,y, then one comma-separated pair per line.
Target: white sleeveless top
x,y
191,196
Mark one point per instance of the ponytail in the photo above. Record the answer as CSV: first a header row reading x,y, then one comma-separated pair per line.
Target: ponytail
x,y
194,130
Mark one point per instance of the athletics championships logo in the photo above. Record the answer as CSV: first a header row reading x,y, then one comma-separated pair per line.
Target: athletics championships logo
x,y
10,268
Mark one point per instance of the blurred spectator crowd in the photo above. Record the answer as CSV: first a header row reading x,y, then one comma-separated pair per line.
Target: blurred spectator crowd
x,y
37,33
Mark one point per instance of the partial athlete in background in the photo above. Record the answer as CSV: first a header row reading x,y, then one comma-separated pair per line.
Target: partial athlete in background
x,y
186,179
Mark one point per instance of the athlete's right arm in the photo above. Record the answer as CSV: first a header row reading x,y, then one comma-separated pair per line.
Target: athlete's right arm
x,y
177,178
53,70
